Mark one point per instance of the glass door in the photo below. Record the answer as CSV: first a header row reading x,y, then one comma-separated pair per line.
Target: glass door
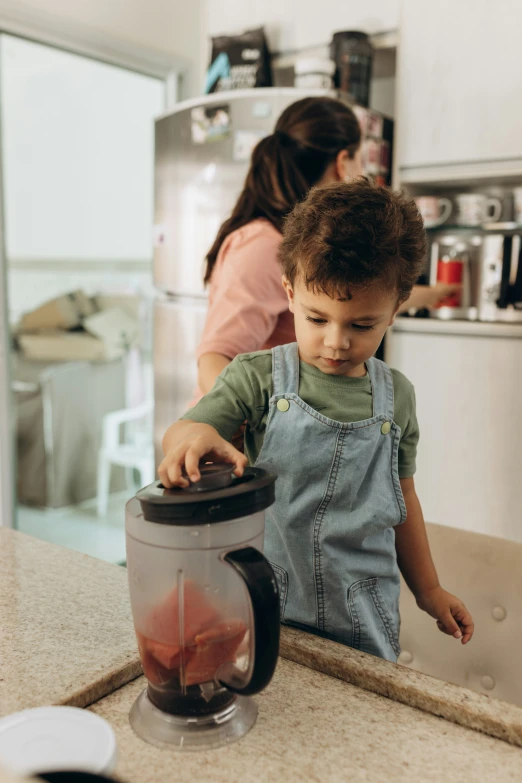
x,y
77,161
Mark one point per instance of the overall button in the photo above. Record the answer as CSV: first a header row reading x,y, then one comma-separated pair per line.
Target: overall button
x,y
283,405
386,427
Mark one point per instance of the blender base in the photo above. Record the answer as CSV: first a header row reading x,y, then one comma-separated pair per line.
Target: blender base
x,y
208,731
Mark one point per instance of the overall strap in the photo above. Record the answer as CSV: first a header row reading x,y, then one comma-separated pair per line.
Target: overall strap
x,y
285,369
382,387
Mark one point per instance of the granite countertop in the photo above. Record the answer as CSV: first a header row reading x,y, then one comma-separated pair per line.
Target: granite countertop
x,y
8,777
67,638
452,702
66,634
315,728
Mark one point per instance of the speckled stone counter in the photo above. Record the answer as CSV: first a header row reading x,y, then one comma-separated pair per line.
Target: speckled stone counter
x,y
66,634
315,728
459,705
66,637
8,777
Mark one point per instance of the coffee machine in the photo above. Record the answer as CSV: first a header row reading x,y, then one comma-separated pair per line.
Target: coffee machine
x,y
488,266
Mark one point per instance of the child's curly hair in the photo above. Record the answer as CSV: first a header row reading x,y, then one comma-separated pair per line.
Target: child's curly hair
x,y
350,235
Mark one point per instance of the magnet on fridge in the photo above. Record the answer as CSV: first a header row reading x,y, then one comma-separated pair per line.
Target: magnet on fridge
x,y
210,123
261,109
244,143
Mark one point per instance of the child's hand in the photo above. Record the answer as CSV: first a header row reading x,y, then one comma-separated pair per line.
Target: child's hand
x,y
450,613
195,441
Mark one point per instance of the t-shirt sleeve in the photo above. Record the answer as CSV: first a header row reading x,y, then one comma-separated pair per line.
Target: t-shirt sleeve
x,y
239,394
247,298
406,417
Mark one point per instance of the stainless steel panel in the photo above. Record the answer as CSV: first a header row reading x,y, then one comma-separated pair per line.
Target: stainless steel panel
x,y
196,185
178,324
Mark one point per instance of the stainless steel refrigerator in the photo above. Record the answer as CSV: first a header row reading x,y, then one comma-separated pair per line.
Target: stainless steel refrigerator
x,y
203,150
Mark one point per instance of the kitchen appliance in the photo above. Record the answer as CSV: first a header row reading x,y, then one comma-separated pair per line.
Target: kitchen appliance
x,y
202,155
488,265
352,52
517,205
453,266
500,295
205,605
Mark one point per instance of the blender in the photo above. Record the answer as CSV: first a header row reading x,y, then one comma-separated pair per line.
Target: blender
x,y
205,606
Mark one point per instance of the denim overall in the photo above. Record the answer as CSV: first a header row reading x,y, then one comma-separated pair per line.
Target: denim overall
x,y
329,534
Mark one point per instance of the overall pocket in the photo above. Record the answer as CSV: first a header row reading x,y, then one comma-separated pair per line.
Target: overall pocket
x,y
373,628
282,583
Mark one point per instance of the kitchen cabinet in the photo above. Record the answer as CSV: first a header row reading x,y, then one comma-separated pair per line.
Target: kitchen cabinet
x,y
459,80
468,382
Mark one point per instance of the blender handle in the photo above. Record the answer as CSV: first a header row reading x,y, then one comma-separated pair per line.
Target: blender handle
x,y
259,578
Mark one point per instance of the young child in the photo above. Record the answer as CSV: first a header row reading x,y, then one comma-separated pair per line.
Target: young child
x,y
337,426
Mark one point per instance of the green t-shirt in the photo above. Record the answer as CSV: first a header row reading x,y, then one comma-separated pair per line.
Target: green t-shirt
x,y
243,390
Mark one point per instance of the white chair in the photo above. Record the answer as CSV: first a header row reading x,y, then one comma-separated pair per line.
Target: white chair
x,y
137,453
135,450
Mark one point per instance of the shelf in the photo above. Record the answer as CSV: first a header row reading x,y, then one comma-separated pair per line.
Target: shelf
x,y
502,171
455,327
384,55
485,228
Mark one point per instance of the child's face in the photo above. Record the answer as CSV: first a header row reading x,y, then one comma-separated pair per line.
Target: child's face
x,y
338,336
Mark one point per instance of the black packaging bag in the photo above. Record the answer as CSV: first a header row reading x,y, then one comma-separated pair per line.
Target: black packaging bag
x,y
239,61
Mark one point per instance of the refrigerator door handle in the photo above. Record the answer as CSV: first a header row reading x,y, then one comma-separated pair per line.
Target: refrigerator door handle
x,y
507,252
516,277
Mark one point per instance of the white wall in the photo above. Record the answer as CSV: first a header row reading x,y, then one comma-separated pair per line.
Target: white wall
x,y
171,28
77,154
294,24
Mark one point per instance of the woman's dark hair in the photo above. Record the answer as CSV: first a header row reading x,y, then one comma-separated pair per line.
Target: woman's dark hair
x,y
308,136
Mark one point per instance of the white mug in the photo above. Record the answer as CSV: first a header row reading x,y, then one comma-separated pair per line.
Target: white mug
x,y
517,204
434,211
476,208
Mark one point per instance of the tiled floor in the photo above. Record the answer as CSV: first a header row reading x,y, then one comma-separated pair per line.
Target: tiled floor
x,y
79,528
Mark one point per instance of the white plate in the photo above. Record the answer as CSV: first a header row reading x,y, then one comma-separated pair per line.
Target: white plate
x,y
50,739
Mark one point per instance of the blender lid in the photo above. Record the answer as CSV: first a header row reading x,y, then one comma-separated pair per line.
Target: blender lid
x,y
218,497
214,475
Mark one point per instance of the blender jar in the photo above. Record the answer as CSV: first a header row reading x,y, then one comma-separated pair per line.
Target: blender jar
x,y
205,605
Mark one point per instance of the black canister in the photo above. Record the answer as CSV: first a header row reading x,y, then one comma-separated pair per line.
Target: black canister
x,y
352,52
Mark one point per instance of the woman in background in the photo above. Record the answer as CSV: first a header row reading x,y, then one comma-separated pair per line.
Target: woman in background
x,y
315,141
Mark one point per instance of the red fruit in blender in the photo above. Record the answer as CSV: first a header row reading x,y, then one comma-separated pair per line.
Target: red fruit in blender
x,y
209,640
214,648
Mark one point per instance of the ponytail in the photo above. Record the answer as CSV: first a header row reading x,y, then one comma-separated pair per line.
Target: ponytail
x,y
285,165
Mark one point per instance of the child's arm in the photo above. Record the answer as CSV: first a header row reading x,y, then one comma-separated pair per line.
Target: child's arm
x,y
416,565
239,394
185,443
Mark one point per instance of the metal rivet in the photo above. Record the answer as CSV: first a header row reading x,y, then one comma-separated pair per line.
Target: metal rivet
x,y
405,657
488,682
498,613
386,427
283,405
